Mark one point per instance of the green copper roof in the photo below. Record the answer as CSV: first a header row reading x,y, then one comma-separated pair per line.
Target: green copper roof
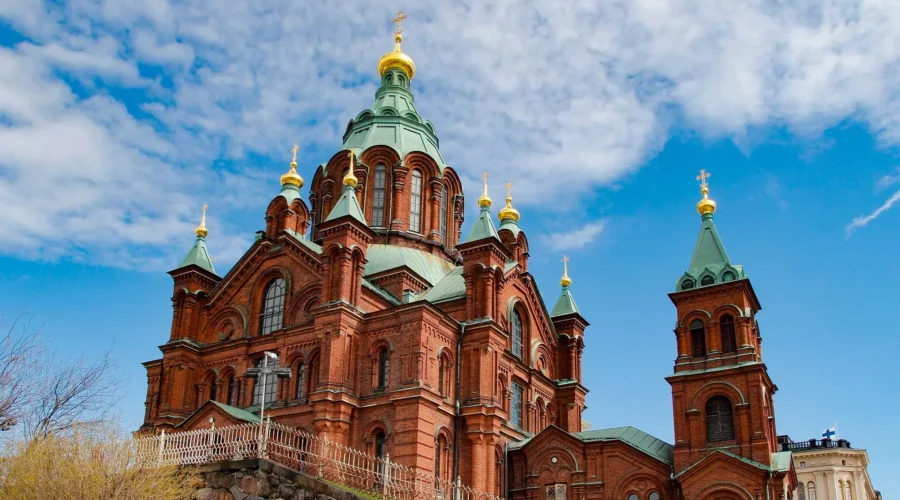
x,y
777,462
198,256
644,442
347,204
565,304
393,121
710,264
781,461
510,225
290,193
303,240
384,257
452,287
231,410
483,227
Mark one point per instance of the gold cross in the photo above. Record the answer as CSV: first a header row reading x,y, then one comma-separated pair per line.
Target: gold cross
x,y
203,217
702,178
485,176
565,261
294,150
350,154
508,189
399,19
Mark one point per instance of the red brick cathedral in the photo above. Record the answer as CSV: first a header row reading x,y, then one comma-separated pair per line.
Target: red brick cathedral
x,y
395,335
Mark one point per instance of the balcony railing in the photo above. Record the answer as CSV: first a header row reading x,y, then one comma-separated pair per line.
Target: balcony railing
x,y
306,453
815,444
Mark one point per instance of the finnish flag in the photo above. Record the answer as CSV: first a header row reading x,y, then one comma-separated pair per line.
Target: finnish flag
x,y
830,433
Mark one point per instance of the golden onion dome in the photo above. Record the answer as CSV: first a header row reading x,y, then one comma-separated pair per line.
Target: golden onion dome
x,y
705,206
397,59
201,230
565,281
484,201
508,212
292,177
350,179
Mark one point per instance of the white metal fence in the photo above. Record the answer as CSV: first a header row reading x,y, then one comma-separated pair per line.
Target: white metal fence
x,y
306,453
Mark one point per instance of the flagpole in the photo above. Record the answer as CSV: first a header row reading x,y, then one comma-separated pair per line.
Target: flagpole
x,y
836,435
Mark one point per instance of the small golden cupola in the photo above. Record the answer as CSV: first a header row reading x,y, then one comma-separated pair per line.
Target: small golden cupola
x,y
350,179
565,281
292,178
508,212
201,230
396,59
706,205
484,201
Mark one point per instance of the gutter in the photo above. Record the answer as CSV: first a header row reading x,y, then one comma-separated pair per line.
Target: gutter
x,y
456,408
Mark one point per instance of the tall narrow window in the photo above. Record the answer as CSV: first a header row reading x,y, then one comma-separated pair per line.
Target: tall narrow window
x,y
230,397
442,365
726,326
517,410
498,472
811,487
382,368
801,492
273,307
378,197
444,202
415,202
698,339
271,383
380,445
212,389
719,420
301,380
516,327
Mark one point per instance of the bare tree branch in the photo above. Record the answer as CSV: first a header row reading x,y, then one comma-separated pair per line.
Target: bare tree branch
x,y
20,346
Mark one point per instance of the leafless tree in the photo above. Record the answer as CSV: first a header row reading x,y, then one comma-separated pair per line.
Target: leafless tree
x,y
43,394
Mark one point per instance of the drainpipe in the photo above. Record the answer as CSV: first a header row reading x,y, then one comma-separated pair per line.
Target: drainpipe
x,y
462,331
505,489
768,483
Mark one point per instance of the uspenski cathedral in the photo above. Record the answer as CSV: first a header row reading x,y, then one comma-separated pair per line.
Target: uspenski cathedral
x,y
392,332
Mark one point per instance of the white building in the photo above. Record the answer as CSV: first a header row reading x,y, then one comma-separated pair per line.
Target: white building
x,y
830,470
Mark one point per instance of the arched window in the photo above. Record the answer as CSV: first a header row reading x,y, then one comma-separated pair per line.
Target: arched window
x,y
707,280
378,196
726,327
517,412
843,491
273,307
719,420
444,202
382,368
212,389
498,472
728,276
687,284
229,398
312,374
415,202
516,331
698,339
271,382
380,445
811,486
849,491
444,375
632,497
654,496
301,380
801,492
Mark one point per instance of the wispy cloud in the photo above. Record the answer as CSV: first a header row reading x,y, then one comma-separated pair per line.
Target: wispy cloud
x,y
574,240
864,220
140,99
888,180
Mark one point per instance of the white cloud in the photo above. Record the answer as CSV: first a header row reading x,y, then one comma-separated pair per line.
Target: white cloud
x,y
888,180
545,93
574,240
864,220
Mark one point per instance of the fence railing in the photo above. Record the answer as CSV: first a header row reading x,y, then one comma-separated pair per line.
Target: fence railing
x,y
814,444
306,453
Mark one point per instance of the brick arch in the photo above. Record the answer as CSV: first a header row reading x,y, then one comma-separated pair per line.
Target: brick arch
x,y
724,491
302,301
423,162
718,388
258,288
700,314
541,350
217,328
543,459
375,426
516,303
727,309
641,484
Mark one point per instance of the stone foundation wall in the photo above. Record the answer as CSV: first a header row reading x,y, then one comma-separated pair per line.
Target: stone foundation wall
x,y
259,479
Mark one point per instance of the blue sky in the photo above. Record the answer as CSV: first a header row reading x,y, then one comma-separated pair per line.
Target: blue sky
x,y
118,120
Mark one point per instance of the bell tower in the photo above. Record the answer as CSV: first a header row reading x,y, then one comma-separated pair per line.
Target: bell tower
x,y
721,390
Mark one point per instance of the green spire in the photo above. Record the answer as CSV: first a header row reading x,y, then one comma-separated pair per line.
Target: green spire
x,y
483,227
347,204
710,264
199,254
566,303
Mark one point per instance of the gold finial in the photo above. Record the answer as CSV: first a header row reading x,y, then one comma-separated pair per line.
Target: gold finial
x,y
396,59
201,229
706,205
508,212
565,280
484,201
350,179
292,177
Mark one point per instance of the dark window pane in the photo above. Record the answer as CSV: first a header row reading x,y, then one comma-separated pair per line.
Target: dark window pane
x,y
707,280
301,380
272,314
726,326
719,420
517,341
415,202
271,383
698,339
382,368
687,284
518,401
444,202
212,390
229,398
378,197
